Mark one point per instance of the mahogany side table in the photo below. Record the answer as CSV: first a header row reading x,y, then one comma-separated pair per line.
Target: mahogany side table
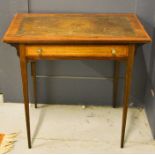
x,y
76,36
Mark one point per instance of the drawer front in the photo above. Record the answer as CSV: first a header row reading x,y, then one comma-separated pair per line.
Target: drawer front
x,y
76,51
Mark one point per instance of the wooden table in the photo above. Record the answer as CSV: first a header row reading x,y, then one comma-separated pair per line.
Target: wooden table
x,y
76,36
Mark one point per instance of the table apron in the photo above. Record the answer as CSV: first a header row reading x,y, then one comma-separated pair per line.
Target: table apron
x,y
76,52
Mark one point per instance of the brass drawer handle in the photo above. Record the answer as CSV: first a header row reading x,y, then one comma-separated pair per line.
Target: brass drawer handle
x,y
113,52
39,51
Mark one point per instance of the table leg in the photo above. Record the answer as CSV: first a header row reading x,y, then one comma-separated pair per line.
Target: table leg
x,y
115,82
33,73
128,74
23,65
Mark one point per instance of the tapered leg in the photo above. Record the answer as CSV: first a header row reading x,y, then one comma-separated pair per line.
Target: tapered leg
x,y
128,75
115,82
23,65
33,73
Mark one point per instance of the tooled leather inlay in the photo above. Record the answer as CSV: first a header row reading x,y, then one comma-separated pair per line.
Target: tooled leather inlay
x,y
70,25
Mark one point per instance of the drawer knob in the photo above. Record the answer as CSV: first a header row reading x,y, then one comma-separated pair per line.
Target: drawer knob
x,y
113,52
39,51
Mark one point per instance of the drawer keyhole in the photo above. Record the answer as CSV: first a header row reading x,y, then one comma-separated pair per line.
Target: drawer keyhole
x,y
113,52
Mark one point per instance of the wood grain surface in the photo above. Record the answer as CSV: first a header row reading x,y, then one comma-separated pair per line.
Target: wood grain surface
x,y
76,51
62,28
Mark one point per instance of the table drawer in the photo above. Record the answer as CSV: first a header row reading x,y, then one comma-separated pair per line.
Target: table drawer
x,y
76,51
